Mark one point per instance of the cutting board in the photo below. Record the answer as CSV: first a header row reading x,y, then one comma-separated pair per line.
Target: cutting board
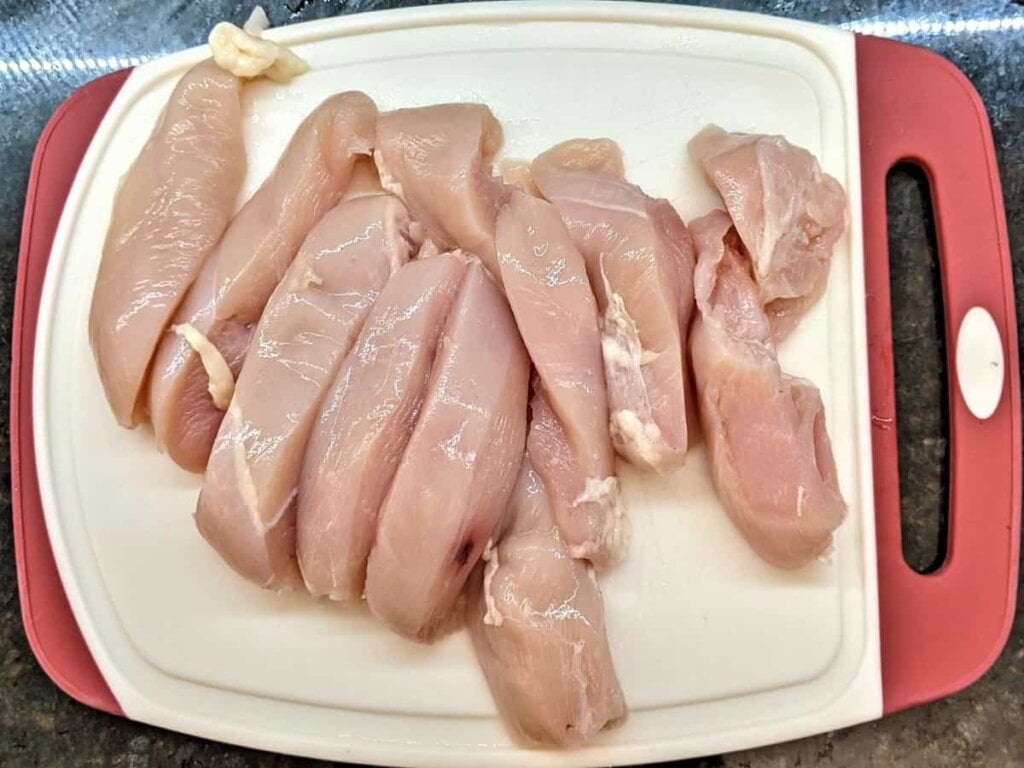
x,y
129,611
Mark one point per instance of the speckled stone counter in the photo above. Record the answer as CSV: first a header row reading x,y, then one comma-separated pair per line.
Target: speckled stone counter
x,y
49,47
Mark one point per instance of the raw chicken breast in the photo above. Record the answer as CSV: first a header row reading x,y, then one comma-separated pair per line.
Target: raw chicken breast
x,y
788,214
365,422
770,453
458,470
640,259
169,212
589,511
213,325
546,282
438,160
536,618
246,509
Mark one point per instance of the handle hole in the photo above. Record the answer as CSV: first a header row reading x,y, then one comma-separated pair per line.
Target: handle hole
x,y
919,352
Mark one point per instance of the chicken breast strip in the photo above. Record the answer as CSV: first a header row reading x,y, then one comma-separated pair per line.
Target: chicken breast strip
x,y
217,317
770,453
788,213
453,483
438,160
169,212
546,282
246,508
640,259
365,422
536,618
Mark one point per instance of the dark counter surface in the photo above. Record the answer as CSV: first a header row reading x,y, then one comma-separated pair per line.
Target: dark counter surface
x,y
50,47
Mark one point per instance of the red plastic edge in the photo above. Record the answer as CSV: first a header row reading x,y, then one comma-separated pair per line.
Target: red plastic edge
x,y
49,624
940,632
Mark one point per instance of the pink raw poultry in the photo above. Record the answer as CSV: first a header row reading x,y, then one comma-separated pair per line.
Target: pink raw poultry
x,y
169,213
770,453
228,296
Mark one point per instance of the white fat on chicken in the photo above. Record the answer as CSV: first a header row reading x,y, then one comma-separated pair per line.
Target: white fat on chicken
x,y
492,616
634,431
388,181
222,383
247,488
244,53
639,437
604,494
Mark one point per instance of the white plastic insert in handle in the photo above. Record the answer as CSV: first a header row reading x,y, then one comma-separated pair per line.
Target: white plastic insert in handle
x,y
979,362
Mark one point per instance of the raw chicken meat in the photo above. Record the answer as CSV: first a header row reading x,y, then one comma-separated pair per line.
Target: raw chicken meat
x,y
640,259
589,511
246,509
770,453
213,325
169,212
536,618
458,470
788,214
365,422
438,160
546,282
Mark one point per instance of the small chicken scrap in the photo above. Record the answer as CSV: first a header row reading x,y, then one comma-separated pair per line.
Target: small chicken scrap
x,y
788,213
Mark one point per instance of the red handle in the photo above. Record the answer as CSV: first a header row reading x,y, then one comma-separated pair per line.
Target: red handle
x,y
941,631
49,624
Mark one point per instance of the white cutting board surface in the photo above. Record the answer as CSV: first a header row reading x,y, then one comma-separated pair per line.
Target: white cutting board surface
x,y
715,649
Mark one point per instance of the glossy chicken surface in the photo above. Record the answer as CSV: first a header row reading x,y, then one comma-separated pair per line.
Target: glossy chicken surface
x,y
169,212
246,508
453,483
227,298
365,422
409,380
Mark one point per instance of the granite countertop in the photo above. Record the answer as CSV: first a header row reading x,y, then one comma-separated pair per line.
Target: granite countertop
x,y
49,47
